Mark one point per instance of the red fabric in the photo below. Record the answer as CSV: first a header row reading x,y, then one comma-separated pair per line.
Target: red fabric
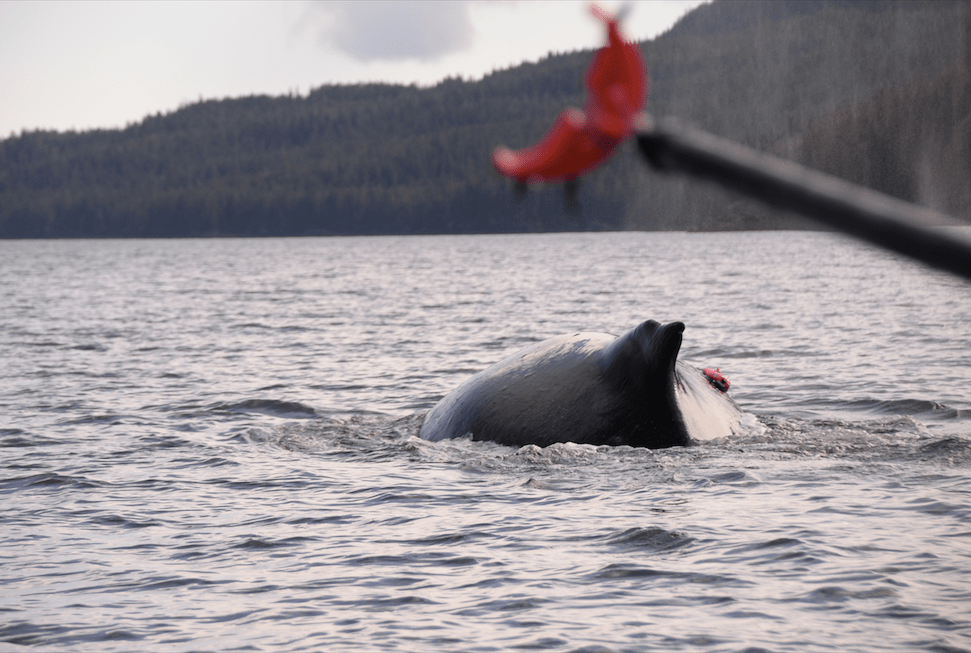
x,y
616,84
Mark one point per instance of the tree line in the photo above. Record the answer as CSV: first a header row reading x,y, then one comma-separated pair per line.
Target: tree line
x,y
876,92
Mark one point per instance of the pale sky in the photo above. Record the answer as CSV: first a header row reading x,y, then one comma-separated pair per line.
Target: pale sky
x,y
82,65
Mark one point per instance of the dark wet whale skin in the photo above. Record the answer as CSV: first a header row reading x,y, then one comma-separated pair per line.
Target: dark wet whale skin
x,y
588,388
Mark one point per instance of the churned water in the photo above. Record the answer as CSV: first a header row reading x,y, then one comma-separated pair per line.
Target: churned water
x,y
211,445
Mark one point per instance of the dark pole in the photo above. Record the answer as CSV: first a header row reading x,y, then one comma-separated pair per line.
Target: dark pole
x,y
671,146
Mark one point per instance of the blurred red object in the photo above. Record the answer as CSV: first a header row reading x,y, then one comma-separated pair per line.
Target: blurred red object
x,y
616,84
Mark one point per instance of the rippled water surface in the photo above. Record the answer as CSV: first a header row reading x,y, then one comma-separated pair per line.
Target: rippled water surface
x,y
212,445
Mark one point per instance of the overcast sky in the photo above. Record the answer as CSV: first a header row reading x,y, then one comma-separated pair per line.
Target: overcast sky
x,y
82,65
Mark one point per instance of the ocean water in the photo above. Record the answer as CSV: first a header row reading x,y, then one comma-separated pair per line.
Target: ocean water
x,y
212,445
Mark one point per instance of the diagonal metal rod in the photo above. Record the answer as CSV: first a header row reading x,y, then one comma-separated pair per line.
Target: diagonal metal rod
x,y
671,146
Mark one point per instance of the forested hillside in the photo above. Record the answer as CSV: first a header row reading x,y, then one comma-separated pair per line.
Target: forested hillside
x,y
874,91
928,159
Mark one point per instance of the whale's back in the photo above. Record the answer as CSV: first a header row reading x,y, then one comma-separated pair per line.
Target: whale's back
x,y
588,388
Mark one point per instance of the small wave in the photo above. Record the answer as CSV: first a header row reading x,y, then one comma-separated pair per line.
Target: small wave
x,y
211,462
632,571
538,484
272,407
444,539
904,407
938,507
649,539
90,347
952,451
837,594
275,386
951,445
39,343
398,602
26,633
164,582
736,477
338,387
14,438
107,419
776,550
48,480
123,522
762,353
504,606
266,544
315,521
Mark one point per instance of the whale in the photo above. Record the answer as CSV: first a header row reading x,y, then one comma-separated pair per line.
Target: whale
x,y
591,388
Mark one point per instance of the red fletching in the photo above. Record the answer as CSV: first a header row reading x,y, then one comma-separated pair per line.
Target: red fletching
x,y
616,84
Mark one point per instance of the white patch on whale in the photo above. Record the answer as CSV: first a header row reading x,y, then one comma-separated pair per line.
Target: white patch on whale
x,y
706,414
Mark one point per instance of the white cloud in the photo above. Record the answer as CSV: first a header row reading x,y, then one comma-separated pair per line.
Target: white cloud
x,y
395,31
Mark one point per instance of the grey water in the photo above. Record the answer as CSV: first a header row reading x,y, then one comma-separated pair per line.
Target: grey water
x,y
212,445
